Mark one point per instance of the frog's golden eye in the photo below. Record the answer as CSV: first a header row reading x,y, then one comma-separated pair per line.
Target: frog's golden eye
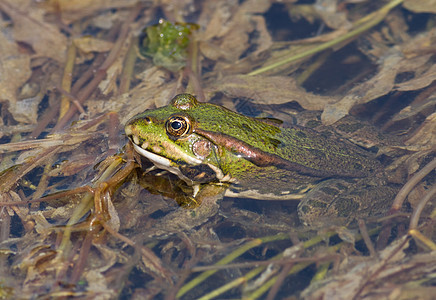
x,y
178,127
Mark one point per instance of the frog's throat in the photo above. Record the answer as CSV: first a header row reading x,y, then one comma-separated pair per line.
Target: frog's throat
x,y
166,164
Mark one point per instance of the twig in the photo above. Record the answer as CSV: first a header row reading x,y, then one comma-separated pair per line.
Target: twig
x,y
101,72
129,65
366,238
420,207
67,79
382,266
280,278
405,190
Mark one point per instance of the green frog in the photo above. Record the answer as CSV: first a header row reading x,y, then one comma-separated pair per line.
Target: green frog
x,y
167,43
205,144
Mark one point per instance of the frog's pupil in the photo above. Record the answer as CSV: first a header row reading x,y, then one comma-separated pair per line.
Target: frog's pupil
x,y
176,125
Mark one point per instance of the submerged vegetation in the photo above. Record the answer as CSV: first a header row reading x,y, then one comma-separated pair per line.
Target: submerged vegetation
x,y
82,215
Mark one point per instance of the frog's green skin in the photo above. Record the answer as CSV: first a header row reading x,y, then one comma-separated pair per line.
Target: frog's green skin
x,y
167,43
202,142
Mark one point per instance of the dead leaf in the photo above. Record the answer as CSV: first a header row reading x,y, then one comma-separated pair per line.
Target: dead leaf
x,y
270,90
89,44
155,90
30,27
228,27
377,86
422,81
14,72
354,279
264,41
329,13
73,10
383,83
109,84
425,137
420,6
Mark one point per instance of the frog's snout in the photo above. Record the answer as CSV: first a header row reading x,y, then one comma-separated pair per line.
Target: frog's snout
x,y
128,131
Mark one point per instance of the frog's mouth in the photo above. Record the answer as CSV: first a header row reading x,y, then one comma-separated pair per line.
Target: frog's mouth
x,y
167,164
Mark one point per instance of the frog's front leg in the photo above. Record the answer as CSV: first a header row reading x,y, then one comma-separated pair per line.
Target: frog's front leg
x,y
341,201
199,210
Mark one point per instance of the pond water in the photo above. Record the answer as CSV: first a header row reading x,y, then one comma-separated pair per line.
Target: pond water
x,y
84,215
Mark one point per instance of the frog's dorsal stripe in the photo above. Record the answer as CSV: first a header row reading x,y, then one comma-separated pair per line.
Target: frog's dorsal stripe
x,y
256,156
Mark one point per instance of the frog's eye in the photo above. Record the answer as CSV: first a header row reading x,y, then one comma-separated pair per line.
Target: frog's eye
x,y
178,127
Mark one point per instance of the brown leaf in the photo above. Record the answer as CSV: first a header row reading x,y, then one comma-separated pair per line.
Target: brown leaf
x,y
420,6
383,82
228,30
14,72
72,10
155,90
30,27
358,278
89,44
422,81
413,56
425,137
271,90
329,13
377,86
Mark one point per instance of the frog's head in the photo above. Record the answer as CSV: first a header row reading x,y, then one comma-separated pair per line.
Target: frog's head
x,y
167,137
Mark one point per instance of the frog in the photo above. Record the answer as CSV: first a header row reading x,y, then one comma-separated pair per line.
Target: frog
x,y
167,43
204,144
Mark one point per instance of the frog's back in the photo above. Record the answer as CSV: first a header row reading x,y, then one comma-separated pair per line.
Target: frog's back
x,y
331,155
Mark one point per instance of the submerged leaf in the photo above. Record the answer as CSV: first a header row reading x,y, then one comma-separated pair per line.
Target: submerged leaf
x,y
89,44
30,27
271,90
14,72
73,10
420,6
401,59
377,86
